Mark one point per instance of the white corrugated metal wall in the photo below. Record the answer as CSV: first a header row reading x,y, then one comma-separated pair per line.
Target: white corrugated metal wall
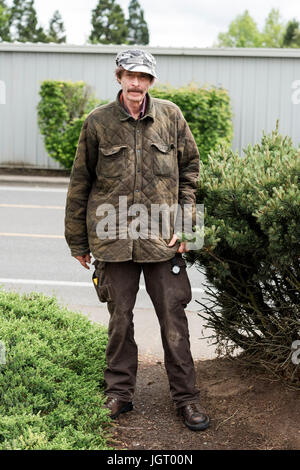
x,y
259,82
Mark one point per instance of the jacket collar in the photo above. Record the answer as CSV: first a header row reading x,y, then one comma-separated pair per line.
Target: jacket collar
x,y
124,116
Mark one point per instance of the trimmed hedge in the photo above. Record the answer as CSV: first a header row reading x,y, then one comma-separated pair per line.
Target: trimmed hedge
x,y
61,113
51,386
207,112
251,251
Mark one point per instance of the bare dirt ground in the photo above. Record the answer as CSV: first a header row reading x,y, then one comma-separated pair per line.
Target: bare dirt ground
x,y
248,410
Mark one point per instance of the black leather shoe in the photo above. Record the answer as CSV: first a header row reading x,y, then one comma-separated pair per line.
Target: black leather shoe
x,y
194,417
117,406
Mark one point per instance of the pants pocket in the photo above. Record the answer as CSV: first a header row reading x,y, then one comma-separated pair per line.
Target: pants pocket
x,y
103,289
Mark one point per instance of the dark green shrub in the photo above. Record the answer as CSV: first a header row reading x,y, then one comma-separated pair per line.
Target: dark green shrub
x,y
61,112
207,112
251,251
51,386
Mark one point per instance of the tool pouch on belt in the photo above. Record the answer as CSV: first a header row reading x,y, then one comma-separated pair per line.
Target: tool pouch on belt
x,y
102,288
177,263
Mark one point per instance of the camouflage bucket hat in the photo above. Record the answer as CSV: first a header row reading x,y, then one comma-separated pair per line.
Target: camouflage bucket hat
x,y
136,60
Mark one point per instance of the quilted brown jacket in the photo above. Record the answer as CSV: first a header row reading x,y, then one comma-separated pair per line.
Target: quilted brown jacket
x,y
153,160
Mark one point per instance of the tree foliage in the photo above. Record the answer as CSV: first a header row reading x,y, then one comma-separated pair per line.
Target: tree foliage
x,y
108,24
4,22
56,29
292,34
138,32
243,32
20,23
24,22
273,31
251,252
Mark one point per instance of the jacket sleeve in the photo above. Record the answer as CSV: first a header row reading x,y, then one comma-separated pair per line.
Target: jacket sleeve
x,y
81,180
188,166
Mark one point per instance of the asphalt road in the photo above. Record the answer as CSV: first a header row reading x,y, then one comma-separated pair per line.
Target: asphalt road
x,y
34,256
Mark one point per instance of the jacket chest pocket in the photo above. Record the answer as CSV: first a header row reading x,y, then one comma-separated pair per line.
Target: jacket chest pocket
x,y
112,161
163,159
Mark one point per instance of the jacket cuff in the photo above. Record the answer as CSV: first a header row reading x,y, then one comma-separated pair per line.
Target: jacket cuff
x,y
80,251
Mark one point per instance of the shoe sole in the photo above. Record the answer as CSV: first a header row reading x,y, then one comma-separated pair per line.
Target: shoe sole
x,y
198,427
127,407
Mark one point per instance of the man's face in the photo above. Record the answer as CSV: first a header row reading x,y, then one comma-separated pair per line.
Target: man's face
x,y
135,85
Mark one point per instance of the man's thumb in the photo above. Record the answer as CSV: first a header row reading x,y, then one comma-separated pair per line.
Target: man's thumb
x,y
173,240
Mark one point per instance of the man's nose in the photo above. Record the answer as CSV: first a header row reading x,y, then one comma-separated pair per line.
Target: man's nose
x,y
135,81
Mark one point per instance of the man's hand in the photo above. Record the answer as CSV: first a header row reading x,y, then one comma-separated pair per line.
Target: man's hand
x,y
84,259
182,247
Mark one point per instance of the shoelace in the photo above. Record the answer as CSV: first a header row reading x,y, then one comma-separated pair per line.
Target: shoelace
x,y
195,409
112,400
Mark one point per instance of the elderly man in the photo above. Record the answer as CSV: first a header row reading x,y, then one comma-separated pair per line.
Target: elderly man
x,y
136,152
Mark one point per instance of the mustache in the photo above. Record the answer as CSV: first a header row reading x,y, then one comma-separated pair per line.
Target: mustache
x,y
137,90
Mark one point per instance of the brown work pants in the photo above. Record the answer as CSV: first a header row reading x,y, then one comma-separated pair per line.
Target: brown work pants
x,y
170,293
